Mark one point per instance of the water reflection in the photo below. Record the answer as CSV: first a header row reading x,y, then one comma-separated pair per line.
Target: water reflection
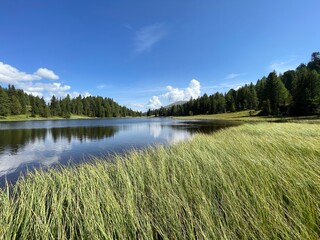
x,y
83,133
172,133
15,139
47,143
33,154
155,129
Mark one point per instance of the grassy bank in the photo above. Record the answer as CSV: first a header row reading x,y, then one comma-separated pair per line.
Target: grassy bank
x,y
27,117
257,181
252,116
23,117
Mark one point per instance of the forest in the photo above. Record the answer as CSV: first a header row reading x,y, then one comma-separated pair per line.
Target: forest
x,y
295,93
16,101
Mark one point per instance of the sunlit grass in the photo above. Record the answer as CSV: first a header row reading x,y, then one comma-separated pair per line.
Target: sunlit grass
x,y
257,181
24,117
252,116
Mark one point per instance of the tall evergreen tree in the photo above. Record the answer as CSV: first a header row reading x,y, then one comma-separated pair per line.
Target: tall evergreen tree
x,y
276,92
4,103
21,95
16,107
314,64
231,100
55,109
253,100
307,95
78,106
261,91
290,79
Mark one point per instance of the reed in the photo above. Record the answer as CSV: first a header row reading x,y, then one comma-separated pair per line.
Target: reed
x,y
258,181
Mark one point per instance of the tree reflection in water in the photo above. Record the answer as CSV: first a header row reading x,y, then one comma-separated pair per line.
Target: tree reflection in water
x,y
14,139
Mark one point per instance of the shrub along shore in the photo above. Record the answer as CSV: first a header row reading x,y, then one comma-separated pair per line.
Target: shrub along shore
x,y
258,181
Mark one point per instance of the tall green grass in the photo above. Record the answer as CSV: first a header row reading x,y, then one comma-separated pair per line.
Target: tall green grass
x,y
250,182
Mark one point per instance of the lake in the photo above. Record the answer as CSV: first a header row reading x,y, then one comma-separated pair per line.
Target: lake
x,y
33,144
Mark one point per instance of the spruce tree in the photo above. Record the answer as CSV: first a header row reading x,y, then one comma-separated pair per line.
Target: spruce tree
x,y
15,106
4,103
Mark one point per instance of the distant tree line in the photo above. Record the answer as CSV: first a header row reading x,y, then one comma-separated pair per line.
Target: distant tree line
x,y
295,92
16,101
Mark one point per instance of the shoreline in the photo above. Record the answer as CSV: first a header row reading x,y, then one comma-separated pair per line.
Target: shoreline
x,y
13,118
25,117
242,116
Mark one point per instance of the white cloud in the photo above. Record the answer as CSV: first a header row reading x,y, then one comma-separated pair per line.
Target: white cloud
x,y
76,94
42,89
177,94
234,75
25,81
174,94
46,73
147,36
154,103
11,75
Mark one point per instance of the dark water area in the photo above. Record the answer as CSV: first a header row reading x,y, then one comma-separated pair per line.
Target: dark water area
x,y
39,144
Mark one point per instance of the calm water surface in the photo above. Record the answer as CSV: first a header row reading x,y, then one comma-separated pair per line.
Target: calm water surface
x,y
33,144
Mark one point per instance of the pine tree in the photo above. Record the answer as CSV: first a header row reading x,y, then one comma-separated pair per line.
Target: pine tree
x,y
307,95
289,79
253,100
55,109
276,92
4,103
230,100
314,64
21,95
15,106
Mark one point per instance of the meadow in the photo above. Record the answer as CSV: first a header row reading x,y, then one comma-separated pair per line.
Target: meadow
x,y
252,116
257,181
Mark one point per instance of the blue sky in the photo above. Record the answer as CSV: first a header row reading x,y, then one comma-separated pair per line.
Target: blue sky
x,y
146,53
